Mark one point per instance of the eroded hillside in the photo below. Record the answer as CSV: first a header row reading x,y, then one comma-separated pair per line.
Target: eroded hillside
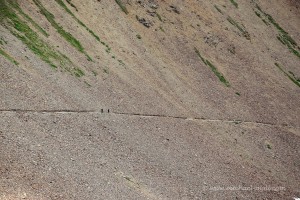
x,y
149,99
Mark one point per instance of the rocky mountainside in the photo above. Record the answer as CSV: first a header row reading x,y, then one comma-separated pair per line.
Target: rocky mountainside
x,y
148,99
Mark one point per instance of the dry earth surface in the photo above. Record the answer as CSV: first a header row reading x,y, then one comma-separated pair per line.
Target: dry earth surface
x,y
149,99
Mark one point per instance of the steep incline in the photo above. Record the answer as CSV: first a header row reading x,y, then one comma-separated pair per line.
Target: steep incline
x,y
149,99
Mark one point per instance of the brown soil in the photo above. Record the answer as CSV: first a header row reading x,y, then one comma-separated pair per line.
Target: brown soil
x,y
162,125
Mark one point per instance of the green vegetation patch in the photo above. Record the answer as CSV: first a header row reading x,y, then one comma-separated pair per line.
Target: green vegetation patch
x,y
122,6
105,70
64,6
159,17
234,3
108,49
213,68
78,72
66,35
16,6
198,53
32,41
238,26
71,4
4,11
257,14
218,74
218,9
30,38
8,57
282,36
94,73
162,29
2,41
290,75
138,36
121,62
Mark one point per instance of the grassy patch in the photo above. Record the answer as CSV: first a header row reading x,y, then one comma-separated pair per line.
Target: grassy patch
x,y
234,3
213,68
89,85
161,28
121,62
290,75
66,35
270,18
238,26
159,17
71,4
138,36
78,72
218,9
199,55
231,49
4,11
257,14
94,73
105,70
30,38
21,30
2,41
285,39
282,36
264,21
268,145
63,5
108,49
218,74
8,57
16,6
122,6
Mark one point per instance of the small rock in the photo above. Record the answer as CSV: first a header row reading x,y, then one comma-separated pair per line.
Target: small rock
x,y
175,9
151,13
145,22
154,6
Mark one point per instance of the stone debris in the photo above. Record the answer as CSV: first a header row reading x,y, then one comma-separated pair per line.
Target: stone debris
x,y
145,22
212,40
175,9
150,3
151,13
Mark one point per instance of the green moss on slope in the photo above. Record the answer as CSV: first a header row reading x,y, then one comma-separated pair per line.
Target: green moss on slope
x,y
20,29
213,68
29,19
122,6
199,55
218,9
282,36
8,57
66,35
64,6
291,77
238,26
218,74
71,4
234,3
